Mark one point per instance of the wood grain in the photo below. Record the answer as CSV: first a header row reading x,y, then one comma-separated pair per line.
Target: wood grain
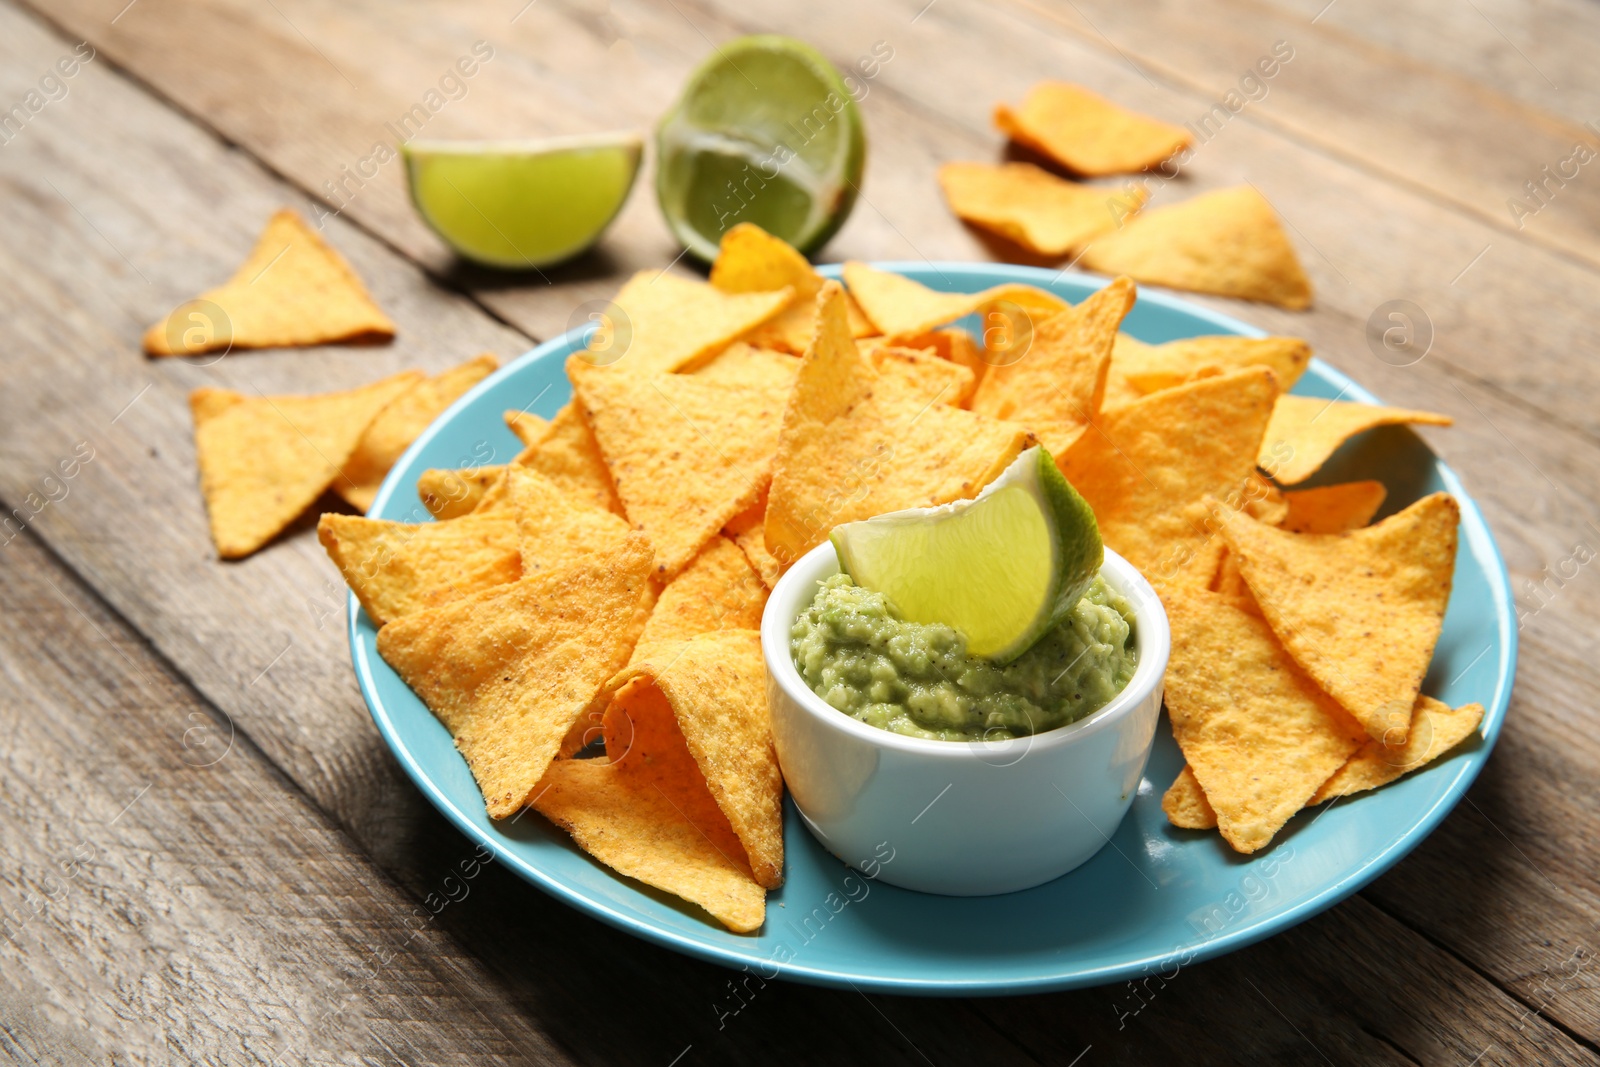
x,y
1501,894
163,888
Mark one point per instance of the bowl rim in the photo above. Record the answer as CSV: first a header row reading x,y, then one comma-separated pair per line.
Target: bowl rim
x,y
1151,630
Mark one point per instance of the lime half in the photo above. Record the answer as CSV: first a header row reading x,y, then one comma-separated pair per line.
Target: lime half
x,y
765,132
1002,568
518,204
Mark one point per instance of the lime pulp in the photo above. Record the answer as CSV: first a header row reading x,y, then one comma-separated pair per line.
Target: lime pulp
x,y
765,132
520,204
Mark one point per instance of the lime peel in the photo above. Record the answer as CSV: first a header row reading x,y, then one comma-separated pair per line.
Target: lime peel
x,y
1002,568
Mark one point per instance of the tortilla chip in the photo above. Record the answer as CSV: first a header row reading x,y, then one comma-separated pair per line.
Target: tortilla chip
x,y
716,685
921,373
753,543
1436,728
652,817
718,590
1259,735
901,308
1264,501
669,323
1227,242
854,444
1229,581
1147,468
509,670
553,528
1086,133
1030,207
292,290
265,459
401,423
751,260
1186,805
528,427
742,363
956,345
1306,430
449,494
1055,386
398,568
569,455
751,518
1148,368
686,455
1360,611
1332,509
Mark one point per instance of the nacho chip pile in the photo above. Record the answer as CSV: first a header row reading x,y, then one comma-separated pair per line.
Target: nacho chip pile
x,y
584,619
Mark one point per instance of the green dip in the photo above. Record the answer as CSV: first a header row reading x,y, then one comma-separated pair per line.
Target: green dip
x,y
917,679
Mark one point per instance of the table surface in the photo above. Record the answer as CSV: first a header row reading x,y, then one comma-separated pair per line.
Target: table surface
x,y
206,852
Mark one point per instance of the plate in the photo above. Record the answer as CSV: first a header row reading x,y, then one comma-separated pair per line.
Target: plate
x,y
1155,899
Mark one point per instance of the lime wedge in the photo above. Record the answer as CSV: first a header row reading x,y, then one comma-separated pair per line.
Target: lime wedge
x,y
1001,568
518,204
765,132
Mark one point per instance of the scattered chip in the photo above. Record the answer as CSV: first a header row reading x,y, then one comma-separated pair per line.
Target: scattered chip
x,y
1033,208
1259,735
686,455
716,685
528,427
1436,728
661,322
1148,368
398,568
1360,611
1306,430
450,493
651,816
265,459
1227,242
401,423
1086,133
902,308
292,290
509,670
569,456
853,445
1186,805
1055,385
1332,509
1147,468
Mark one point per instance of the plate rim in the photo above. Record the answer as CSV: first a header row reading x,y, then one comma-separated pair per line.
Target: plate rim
x,y
1474,527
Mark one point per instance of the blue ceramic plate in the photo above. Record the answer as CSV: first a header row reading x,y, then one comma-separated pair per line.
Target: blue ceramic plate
x,y
1157,899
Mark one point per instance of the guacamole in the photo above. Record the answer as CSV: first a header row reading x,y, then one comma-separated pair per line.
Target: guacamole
x,y
917,679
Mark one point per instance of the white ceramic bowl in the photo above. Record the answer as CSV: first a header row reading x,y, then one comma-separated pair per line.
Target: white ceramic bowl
x,y
961,818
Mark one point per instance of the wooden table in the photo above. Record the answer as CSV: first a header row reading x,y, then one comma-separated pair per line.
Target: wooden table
x,y
207,853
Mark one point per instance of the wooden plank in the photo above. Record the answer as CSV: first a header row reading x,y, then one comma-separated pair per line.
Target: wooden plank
x,y
1488,291
1362,988
162,894
126,528
1413,115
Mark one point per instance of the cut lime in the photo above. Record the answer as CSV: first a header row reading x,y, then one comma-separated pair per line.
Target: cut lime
x,y
517,204
1001,568
765,132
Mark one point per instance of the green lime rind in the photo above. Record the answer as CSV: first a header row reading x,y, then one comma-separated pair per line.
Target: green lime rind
x,y
516,205
1003,568
765,131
